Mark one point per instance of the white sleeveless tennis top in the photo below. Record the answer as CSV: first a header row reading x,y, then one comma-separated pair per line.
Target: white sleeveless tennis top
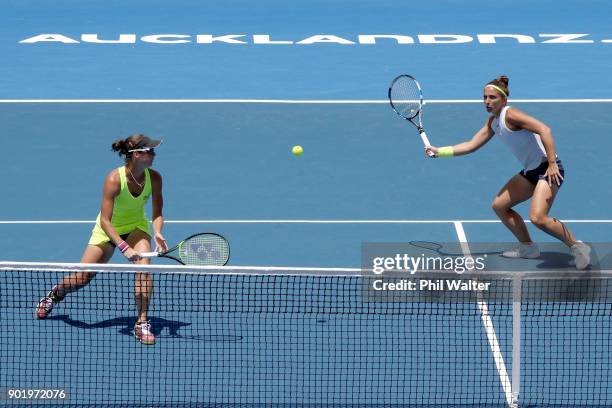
x,y
526,146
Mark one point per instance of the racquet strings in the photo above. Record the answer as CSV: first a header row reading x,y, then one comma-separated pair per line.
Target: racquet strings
x,y
204,249
406,97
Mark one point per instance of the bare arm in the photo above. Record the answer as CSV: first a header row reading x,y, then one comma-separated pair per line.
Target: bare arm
x,y
112,187
158,205
478,140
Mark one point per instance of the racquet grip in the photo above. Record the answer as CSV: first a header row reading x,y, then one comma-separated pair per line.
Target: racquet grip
x,y
148,254
425,140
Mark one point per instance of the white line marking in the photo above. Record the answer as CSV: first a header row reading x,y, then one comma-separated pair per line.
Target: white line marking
x,y
299,101
516,340
584,100
488,324
465,247
301,221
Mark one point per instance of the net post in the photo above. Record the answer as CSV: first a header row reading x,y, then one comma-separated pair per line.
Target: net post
x,y
516,340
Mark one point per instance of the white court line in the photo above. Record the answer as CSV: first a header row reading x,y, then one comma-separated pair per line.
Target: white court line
x,y
299,101
488,324
302,221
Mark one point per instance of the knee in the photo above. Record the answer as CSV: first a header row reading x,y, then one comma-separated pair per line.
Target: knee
x,y
87,277
498,207
538,219
78,280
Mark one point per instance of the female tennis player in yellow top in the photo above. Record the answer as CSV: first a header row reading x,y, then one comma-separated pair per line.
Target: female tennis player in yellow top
x,y
532,143
122,223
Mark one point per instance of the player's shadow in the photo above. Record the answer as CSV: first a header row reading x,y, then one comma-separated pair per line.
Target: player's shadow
x,y
548,260
555,260
453,249
162,328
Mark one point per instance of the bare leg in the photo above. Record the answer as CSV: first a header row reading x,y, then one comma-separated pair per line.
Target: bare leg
x,y
143,285
74,281
78,280
543,198
515,191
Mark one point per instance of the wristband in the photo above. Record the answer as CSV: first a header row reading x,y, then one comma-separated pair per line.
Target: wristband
x,y
446,151
123,246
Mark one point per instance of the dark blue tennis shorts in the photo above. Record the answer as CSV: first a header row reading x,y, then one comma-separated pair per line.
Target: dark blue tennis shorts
x,y
539,172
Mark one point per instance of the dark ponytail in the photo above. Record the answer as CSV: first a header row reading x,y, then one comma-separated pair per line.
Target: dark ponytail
x,y
502,83
123,146
120,146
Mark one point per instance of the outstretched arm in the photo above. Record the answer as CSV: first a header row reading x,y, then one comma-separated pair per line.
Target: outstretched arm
x,y
478,140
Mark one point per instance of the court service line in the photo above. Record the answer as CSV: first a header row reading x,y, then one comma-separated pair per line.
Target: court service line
x,y
300,101
304,221
488,324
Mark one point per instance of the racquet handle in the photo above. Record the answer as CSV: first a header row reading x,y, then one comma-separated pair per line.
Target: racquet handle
x,y
426,141
149,254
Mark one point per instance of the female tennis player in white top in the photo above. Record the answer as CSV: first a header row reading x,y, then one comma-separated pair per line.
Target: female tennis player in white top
x,y
532,143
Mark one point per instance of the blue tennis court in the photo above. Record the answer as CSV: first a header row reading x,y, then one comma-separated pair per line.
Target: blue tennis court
x,y
231,88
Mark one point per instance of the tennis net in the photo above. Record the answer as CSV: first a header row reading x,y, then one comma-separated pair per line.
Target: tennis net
x,y
300,337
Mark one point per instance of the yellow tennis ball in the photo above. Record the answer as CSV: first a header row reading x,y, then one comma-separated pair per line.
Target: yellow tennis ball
x,y
297,150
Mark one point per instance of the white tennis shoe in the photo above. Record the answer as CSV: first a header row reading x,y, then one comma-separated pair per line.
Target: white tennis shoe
x,y
582,255
527,251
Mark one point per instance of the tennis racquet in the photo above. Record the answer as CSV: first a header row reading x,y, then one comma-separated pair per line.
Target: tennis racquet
x,y
207,249
406,99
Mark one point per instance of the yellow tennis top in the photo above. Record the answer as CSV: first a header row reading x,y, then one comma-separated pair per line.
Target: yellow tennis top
x,y
128,211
